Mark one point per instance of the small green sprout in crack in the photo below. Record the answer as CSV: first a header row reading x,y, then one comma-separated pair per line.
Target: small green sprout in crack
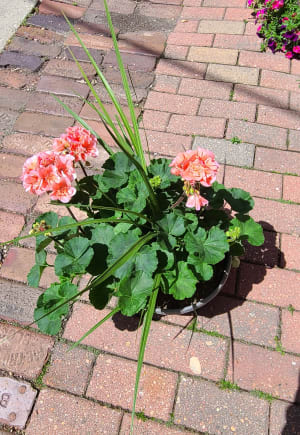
x,y
227,385
291,309
39,380
141,416
262,395
235,139
278,345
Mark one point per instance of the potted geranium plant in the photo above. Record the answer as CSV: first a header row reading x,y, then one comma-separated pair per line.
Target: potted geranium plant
x,y
155,234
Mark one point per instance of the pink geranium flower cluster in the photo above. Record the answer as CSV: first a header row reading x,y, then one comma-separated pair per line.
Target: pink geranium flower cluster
x,y
78,142
196,168
53,171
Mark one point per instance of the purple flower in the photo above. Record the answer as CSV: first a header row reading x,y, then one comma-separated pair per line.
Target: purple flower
x,y
272,45
291,35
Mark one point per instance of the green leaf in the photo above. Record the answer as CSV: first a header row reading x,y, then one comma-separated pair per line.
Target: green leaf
x,y
131,199
161,168
143,342
112,179
122,228
102,234
34,275
66,220
215,246
194,243
76,257
146,260
136,140
126,195
56,294
133,292
118,246
134,195
173,224
116,173
50,218
182,283
239,200
101,294
215,218
40,258
191,221
123,259
119,162
236,249
249,229
165,257
105,275
205,271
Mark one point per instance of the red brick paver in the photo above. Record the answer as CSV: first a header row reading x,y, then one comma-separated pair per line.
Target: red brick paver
x,y
23,353
284,418
113,382
290,324
50,417
203,406
149,427
162,349
255,368
69,369
290,247
272,286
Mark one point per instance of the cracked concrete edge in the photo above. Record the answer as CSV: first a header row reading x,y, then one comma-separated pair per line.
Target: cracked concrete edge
x,y
12,13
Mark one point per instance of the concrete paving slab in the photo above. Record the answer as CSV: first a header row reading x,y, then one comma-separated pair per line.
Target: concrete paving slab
x,y
12,14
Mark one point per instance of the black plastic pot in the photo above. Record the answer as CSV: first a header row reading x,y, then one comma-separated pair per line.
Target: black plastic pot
x,y
193,307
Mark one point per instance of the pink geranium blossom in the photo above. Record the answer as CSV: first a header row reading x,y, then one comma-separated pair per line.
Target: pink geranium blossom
x,y
296,49
289,54
63,190
46,169
196,166
196,201
78,142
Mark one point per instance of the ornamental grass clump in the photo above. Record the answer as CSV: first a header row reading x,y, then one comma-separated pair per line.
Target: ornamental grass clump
x,y
279,25
162,228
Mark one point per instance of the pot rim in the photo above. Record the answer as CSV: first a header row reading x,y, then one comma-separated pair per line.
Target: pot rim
x,y
194,307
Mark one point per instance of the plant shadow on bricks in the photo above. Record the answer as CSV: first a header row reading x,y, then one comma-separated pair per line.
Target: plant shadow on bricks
x,y
230,313
263,257
292,416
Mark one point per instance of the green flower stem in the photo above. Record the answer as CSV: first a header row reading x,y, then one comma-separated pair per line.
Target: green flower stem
x,y
143,342
83,168
67,227
75,219
93,328
137,141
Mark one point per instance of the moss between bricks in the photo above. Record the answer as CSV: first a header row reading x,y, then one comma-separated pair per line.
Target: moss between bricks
x,y
38,383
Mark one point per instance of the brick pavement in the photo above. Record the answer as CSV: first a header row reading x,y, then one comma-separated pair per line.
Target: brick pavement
x,y
208,83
